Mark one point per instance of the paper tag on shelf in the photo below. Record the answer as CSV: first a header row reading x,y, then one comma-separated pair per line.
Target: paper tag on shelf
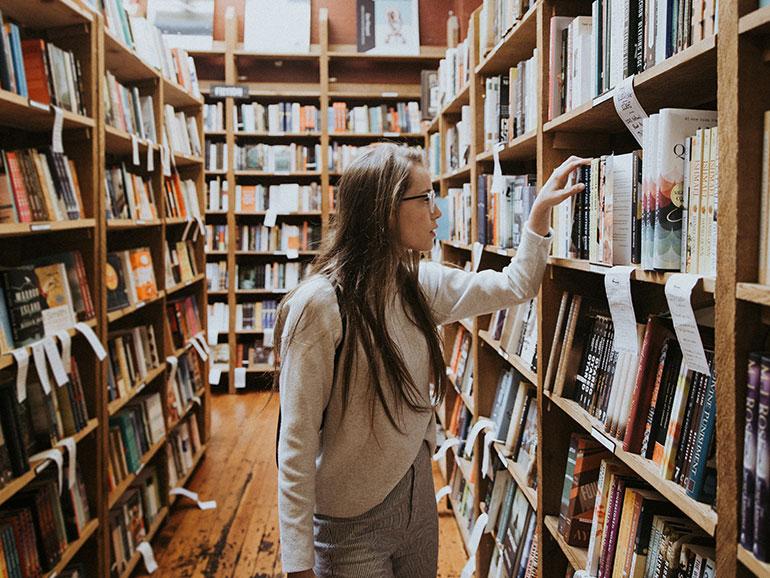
x,y
628,108
38,355
40,227
47,456
165,161
148,556
498,182
390,94
444,448
93,340
240,378
72,459
57,145
135,150
270,216
196,400
617,283
445,491
292,253
391,134
603,439
470,568
173,361
678,294
202,341
39,105
21,355
66,349
210,505
54,360
150,157
201,225
486,463
267,338
483,423
476,252
197,346
215,374
187,229
473,544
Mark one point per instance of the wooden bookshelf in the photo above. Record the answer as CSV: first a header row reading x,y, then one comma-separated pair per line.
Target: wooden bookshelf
x,y
576,557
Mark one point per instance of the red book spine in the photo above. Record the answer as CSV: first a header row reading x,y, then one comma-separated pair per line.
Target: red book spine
x,y
35,70
19,188
84,288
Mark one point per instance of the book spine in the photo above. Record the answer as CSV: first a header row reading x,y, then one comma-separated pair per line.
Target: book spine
x,y
762,487
704,440
750,452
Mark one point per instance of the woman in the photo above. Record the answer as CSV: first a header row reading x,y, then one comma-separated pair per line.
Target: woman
x,y
359,348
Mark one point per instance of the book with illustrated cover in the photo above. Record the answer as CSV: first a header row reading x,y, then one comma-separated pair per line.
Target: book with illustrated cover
x,y
54,287
143,274
25,304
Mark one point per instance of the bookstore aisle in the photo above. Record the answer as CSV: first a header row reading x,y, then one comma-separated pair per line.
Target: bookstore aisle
x,y
240,537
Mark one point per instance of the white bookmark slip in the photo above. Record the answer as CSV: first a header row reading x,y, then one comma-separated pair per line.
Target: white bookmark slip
x,y
38,355
173,361
268,337
498,182
240,378
215,374
187,228
93,340
148,556
21,355
197,346
210,505
66,349
270,217
150,157
617,283
196,400
476,252
57,145
201,225
448,443
445,491
292,253
486,462
47,456
483,423
164,161
135,150
202,340
629,109
72,457
54,360
678,294
473,545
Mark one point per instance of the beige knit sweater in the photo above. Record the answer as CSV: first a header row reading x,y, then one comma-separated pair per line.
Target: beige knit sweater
x,y
352,465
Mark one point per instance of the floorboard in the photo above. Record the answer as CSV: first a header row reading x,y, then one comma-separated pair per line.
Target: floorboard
x,y
240,538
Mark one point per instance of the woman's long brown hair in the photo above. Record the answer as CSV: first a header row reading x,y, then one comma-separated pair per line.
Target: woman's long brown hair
x,y
364,260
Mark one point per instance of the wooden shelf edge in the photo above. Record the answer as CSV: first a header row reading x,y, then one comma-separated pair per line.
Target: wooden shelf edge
x,y
514,360
753,293
73,548
747,558
131,309
40,227
757,21
199,277
577,557
455,105
515,470
116,405
490,65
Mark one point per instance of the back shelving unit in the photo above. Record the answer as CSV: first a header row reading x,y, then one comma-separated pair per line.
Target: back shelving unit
x,y
327,74
729,69
94,147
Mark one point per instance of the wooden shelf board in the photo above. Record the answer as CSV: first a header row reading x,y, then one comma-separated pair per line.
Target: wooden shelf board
x,y
216,133
313,54
186,478
16,112
364,92
7,360
516,46
173,221
213,173
456,245
122,224
754,293
184,160
124,62
698,512
521,148
747,558
458,174
755,22
274,253
518,474
655,277
19,483
499,251
261,368
40,227
249,332
514,360
199,277
374,135
277,135
176,95
295,174
121,313
350,52
261,291
73,548
116,405
685,79
263,213
216,213
432,125
461,99
212,293
160,517
118,142
39,14
122,487
577,557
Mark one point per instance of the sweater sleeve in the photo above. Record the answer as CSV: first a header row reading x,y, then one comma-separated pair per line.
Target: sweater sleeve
x,y
456,294
308,342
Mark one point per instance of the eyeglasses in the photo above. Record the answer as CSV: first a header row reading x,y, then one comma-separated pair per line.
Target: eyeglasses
x,y
429,196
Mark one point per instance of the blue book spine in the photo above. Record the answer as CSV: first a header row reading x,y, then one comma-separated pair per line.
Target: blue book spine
x,y
703,442
18,61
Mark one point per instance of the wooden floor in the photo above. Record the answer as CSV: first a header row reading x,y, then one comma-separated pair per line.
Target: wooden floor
x,y
240,537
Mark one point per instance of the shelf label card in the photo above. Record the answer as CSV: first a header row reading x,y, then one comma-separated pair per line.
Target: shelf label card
x,y
202,341
66,349
270,216
444,491
93,340
38,355
54,360
57,145
39,105
603,439
629,109
240,378
444,448
21,355
476,251
210,505
678,294
40,227
173,362
292,254
617,283
47,456
135,150
389,94
72,459
148,556
150,157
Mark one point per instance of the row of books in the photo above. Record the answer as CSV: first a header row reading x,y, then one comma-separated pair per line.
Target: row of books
x,y
43,297
454,72
628,528
38,185
510,103
130,278
460,367
458,425
216,238
364,119
283,237
283,198
216,157
184,444
459,213
571,81
653,403
458,141
216,276
514,413
181,131
184,320
434,154
502,215
277,158
181,197
497,18
270,276
133,354
256,352
214,116
127,109
40,70
257,316
38,523
181,265
129,195
183,387
513,523
278,118
462,496
218,323
515,330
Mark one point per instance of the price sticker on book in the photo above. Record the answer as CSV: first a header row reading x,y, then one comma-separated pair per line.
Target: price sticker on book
x,y
679,294
21,355
57,144
135,150
629,109
617,283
